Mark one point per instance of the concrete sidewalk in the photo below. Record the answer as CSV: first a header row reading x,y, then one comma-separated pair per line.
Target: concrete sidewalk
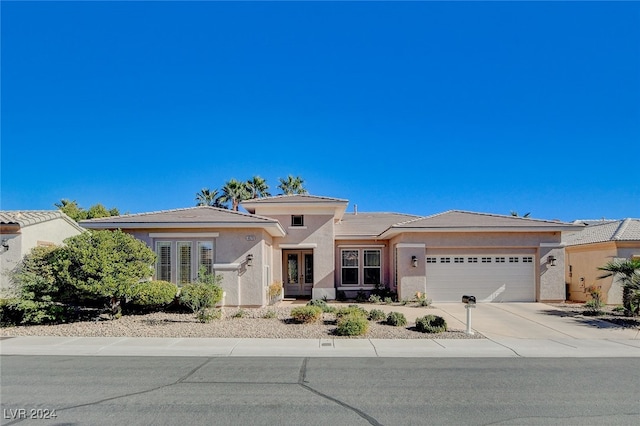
x,y
412,348
511,330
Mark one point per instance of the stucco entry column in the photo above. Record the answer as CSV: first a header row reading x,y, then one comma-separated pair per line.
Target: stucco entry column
x,y
411,270
552,283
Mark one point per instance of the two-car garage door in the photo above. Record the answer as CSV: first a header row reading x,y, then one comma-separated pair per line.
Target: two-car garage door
x,y
489,277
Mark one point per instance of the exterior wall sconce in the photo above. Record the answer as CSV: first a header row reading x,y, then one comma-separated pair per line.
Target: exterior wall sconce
x,y
249,259
414,261
551,260
5,244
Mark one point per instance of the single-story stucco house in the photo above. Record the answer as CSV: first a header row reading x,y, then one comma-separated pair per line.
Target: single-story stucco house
x,y
20,231
594,246
317,249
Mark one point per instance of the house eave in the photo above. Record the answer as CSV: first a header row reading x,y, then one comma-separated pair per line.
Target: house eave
x,y
393,231
273,228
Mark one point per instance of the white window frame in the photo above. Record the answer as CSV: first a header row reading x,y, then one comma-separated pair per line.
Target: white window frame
x,y
160,264
361,266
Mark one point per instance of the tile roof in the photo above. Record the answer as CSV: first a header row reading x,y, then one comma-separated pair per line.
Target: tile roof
x,y
190,215
25,218
368,224
466,219
294,198
618,230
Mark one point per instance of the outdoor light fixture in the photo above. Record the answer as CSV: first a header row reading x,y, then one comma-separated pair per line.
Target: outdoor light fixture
x,y
551,261
5,244
249,259
414,261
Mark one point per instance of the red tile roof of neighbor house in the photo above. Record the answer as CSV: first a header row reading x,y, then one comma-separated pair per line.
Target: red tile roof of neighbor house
x,y
617,230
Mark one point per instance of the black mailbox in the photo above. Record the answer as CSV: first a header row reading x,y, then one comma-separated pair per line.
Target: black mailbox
x,y
469,300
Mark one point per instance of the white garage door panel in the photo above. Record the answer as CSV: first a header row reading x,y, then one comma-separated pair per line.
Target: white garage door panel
x,y
488,282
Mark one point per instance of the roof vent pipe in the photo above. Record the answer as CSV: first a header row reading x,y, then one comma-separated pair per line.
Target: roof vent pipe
x,y
355,209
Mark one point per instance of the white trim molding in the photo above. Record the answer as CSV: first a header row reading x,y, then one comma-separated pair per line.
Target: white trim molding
x,y
558,245
361,246
184,234
226,266
299,246
411,245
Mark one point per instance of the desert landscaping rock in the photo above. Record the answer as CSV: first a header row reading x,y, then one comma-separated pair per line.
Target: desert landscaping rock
x,y
251,325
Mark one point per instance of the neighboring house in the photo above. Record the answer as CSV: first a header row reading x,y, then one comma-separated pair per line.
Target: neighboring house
x,y
316,249
20,231
597,244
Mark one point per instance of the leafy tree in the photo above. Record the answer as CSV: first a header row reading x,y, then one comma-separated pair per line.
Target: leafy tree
x,y
106,264
77,213
258,187
208,197
234,192
292,185
98,210
627,272
71,209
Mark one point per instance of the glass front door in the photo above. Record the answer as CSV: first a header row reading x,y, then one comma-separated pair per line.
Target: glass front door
x,y
298,272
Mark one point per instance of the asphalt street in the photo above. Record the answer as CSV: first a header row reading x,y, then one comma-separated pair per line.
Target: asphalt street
x,y
319,391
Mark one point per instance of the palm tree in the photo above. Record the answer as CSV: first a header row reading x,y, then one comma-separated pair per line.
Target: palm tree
x,y
233,192
627,272
515,214
292,185
207,197
258,187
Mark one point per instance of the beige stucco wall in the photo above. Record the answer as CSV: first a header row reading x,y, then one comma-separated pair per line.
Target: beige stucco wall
x,y
549,279
582,271
243,285
51,232
317,234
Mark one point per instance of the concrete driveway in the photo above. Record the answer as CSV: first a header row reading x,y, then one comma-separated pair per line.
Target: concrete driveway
x,y
530,321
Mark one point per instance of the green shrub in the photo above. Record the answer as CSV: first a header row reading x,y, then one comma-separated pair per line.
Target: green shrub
x,y
352,310
431,324
29,312
322,304
240,313
153,294
397,319
199,297
374,298
361,296
422,300
594,307
618,308
306,314
388,300
352,325
376,315
207,315
269,314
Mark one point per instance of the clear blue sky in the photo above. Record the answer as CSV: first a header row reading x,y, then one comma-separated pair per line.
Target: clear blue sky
x,y
415,107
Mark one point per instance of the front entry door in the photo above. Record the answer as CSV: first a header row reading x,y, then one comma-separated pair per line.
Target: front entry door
x,y
298,272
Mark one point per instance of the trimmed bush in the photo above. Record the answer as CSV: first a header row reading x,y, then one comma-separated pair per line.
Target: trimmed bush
x,y
352,310
153,294
376,315
352,325
199,297
322,304
374,298
270,314
208,315
306,314
29,312
388,300
431,324
396,319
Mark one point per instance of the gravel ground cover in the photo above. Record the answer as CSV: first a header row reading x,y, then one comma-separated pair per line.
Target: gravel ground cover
x,y
251,325
608,313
